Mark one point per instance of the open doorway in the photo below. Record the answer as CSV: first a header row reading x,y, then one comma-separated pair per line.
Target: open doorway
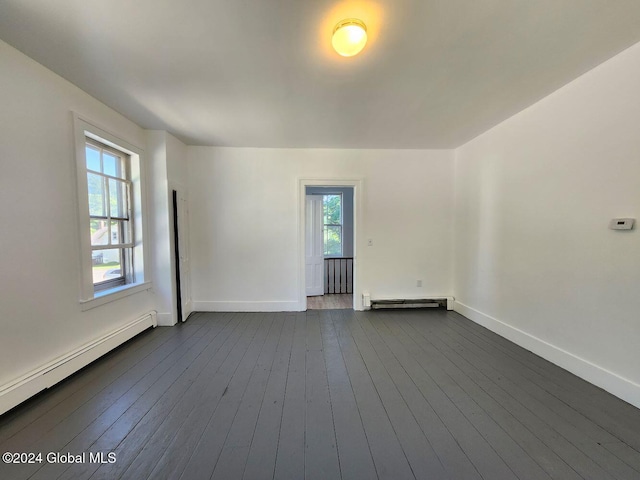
x,y
181,255
176,254
329,246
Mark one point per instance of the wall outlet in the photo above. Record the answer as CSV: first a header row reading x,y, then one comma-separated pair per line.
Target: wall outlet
x,y
419,283
622,223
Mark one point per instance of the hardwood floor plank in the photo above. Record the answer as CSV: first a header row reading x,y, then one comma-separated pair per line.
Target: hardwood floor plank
x,y
95,376
102,389
233,457
478,449
291,438
85,415
564,449
356,461
448,450
131,431
202,399
321,454
599,406
471,383
418,450
205,456
161,441
574,429
388,394
625,453
261,460
388,456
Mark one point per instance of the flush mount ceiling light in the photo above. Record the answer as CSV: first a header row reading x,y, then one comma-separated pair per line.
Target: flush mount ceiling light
x,y
349,37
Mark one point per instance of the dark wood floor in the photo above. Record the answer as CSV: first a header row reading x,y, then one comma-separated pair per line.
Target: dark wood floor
x,y
325,395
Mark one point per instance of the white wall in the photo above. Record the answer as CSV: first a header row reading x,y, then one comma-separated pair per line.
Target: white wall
x,y
534,259
244,222
177,177
177,165
40,315
161,227
167,171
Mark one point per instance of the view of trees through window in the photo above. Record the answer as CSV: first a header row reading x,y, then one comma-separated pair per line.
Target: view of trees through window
x,y
332,228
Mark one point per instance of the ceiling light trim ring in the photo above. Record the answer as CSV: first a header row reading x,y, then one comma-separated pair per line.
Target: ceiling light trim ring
x,y
350,21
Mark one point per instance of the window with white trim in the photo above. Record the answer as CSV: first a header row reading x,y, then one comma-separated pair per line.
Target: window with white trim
x,y
332,224
111,215
109,197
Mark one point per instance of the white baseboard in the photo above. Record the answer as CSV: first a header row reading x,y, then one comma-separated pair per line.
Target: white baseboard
x,y
616,385
17,391
246,306
166,319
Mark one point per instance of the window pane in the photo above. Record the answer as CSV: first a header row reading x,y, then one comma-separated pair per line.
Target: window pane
x,y
93,158
107,265
111,164
119,232
333,240
99,232
117,198
332,209
95,184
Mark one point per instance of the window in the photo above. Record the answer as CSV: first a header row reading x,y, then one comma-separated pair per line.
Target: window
x,y
332,228
111,219
109,198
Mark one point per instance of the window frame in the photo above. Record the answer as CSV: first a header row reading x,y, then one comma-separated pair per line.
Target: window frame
x,y
126,247
136,277
340,225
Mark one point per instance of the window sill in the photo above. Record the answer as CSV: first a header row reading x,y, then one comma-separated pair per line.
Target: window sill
x,y
113,294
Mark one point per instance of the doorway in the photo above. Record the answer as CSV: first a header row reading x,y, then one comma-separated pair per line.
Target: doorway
x,y
181,255
329,225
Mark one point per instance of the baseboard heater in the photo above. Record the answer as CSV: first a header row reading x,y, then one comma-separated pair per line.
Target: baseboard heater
x,y
409,303
47,375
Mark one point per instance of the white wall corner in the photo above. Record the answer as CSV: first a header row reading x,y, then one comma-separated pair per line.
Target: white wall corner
x,y
616,385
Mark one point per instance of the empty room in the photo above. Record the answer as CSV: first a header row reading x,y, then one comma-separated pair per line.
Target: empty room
x,y
357,239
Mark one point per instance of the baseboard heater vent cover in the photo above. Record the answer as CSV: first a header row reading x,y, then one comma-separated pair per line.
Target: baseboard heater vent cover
x,y
409,303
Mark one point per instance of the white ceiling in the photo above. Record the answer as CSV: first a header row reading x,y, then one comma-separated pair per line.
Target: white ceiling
x,y
261,73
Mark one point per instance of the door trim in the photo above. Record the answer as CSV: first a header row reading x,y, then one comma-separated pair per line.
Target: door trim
x,y
358,232
176,253
182,195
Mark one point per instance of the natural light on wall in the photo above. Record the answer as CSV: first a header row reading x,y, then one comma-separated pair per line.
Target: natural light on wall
x,y
349,37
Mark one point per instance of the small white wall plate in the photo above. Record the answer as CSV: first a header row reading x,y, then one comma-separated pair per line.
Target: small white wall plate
x,y
622,223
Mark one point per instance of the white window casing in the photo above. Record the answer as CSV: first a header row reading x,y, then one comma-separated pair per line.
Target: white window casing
x,y
130,233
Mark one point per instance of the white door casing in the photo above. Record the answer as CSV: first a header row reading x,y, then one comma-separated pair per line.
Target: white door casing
x,y
359,237
183,246
314,248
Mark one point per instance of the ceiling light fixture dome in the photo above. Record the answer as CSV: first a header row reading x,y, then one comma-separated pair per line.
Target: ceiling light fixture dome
x,y
349,37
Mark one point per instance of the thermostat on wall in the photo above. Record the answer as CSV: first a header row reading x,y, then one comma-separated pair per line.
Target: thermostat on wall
x,y
622,223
